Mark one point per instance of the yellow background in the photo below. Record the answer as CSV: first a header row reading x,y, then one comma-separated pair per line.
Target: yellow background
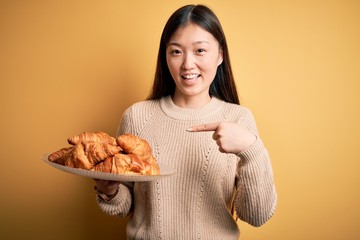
x,y
73,66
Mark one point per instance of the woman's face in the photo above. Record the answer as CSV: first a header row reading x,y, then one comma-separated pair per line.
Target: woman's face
x,y
192,56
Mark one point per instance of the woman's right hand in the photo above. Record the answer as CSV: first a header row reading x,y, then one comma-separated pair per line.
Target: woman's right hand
x,y
107,187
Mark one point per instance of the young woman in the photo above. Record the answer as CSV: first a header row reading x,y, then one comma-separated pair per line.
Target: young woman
x,y
194,123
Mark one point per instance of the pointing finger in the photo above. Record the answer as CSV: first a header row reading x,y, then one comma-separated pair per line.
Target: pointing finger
x,y
206,127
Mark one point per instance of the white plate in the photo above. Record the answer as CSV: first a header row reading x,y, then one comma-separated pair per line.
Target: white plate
x,y
164,172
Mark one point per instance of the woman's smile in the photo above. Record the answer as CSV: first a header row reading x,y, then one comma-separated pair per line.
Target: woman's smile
x,y
190,79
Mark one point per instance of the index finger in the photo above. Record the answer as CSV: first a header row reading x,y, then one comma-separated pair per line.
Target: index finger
x,y
206,127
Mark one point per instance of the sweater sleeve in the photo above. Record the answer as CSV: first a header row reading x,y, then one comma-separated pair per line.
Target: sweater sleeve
x,y
121,204
126,123
256,196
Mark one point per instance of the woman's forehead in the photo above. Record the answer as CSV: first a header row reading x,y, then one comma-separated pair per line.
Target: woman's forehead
x,y
192,33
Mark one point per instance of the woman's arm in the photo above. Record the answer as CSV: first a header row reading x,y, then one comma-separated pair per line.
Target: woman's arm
x,y
114,203
256,196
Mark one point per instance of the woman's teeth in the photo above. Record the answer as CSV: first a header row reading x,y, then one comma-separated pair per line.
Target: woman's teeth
x,y
190,76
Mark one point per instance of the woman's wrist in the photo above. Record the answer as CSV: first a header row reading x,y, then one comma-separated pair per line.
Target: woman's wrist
x,y
105,196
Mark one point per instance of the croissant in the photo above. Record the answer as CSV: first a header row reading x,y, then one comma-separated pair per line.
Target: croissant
x,y
127,154
97,152
84,154
151,166
132,144
60,156
122,164
99,137
140,147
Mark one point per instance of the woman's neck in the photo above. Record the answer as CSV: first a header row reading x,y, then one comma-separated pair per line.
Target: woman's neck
x,y
190,101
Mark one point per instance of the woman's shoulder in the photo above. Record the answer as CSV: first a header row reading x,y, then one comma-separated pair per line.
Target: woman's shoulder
x,y
145,105
141,109
238,112
240,109
134,118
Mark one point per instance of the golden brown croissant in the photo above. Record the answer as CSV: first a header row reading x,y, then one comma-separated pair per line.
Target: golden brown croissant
x,y
132,144
99,137
122,164
71,157
140,147
151,166
127,154
97,152
84,154
60,156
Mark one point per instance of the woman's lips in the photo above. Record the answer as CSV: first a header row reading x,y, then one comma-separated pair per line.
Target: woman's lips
x,y
190,76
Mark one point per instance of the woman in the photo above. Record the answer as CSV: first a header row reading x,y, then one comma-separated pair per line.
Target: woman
x,y
194,123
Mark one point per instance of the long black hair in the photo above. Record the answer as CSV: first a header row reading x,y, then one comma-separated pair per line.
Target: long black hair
x,y
223,86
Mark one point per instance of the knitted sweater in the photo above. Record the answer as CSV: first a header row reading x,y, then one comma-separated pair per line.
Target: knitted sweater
x,y
194,202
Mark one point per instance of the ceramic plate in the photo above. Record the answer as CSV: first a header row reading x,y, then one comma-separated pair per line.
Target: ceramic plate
x,y
164,172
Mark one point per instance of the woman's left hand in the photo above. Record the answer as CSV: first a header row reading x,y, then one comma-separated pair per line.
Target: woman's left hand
x,y
229,136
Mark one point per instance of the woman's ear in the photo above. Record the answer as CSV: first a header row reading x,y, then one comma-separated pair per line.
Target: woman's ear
x,y
220,57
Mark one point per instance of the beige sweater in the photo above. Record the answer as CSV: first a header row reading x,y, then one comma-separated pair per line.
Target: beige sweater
x,y
194,202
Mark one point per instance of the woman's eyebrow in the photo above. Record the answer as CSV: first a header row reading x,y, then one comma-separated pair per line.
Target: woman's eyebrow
x,y
174,44
199,42
194,43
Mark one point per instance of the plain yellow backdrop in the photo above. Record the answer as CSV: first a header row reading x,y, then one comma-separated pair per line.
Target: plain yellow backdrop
x,y
73,66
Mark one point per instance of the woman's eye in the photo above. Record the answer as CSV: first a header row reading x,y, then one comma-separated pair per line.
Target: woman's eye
x,y
200,50
175,52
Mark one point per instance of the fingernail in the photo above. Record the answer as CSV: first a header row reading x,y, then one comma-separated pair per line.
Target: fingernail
x,y
189,129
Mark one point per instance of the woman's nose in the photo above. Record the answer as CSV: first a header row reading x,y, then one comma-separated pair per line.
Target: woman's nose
x,y
188,61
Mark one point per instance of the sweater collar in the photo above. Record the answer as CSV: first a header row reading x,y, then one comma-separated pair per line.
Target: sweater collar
x,y
210,109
